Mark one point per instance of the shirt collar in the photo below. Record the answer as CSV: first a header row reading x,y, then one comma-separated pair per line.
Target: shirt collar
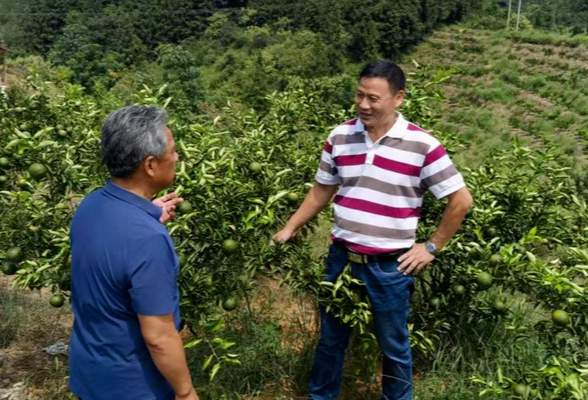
x,y
397,131
133,199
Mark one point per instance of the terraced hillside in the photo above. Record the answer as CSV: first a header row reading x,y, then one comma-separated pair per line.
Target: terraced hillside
x,y
533,85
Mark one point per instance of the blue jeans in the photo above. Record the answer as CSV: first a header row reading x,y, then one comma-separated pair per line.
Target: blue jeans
x,y
389,292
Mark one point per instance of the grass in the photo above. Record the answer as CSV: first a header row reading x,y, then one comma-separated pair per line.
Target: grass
x,y
28,324
506,87
276,351
28,318
548,38
275,348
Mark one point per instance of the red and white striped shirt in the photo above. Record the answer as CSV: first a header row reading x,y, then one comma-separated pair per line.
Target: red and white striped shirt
x,y
378,205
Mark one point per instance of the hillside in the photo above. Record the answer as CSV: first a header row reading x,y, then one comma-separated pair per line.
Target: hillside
x,y
528,85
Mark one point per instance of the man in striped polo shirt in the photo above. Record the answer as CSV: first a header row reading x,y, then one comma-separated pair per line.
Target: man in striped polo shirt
x,y
376,169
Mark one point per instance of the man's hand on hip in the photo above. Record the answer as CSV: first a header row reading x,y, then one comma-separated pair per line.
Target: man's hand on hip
x,y
414,260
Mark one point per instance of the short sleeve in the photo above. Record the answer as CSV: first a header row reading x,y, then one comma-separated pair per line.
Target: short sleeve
x,y
327,173
153,283
439,174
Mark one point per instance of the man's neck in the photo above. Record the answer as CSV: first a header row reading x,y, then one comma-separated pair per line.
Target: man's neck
x,y
134,187
376,132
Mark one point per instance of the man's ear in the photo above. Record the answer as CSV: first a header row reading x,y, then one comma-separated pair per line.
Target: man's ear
x,y
149,166
399,98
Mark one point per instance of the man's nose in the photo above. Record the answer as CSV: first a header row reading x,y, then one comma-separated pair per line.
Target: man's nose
x,y
363,104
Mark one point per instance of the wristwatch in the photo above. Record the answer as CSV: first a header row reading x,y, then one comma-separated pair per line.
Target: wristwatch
x,y
430,247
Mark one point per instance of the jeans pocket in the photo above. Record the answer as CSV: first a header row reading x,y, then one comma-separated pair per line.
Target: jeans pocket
x,y
388,268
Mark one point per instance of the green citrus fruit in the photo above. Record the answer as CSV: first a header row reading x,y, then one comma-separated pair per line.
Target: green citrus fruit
x,y
560,317
459,290
230,246
9,268
3,179
495,259
184,208
484,280
292,198
4,162
435,302
520,389
208,281
57,300
255,167
15,254
38,171
62,133
492,231
499,307
230,304
21,182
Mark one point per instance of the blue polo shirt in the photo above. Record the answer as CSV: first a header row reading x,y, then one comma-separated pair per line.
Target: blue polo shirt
x,y
124,264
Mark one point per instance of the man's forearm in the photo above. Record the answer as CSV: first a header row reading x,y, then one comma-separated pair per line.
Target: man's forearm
x,y
453,217
170,358
317,198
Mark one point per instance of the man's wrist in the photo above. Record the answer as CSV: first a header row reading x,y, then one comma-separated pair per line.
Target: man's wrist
x,y
431,247
185,394
290,228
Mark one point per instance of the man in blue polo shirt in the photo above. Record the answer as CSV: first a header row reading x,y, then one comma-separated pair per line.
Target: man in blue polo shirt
x,y
125,343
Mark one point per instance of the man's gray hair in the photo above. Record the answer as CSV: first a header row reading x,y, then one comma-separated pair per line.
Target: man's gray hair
x,y
131,134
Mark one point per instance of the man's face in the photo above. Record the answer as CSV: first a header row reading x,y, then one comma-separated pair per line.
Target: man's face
x,y
375,101
165,167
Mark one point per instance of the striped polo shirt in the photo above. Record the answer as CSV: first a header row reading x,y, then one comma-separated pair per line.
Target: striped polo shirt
x,y
382,184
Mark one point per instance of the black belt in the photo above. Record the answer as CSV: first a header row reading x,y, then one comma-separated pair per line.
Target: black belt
x,y
366,258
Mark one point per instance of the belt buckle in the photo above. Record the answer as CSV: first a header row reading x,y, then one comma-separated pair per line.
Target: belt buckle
x,y
358,258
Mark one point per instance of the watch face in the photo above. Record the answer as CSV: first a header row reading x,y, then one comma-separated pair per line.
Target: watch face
x,y
430,247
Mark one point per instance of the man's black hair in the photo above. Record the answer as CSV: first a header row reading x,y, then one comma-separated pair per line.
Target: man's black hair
x,y
387,70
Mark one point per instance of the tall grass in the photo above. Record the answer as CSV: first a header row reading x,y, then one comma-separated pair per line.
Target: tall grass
x,y
27,325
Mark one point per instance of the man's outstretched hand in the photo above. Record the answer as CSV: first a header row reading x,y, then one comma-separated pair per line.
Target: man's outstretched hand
x,y
168,204
283,236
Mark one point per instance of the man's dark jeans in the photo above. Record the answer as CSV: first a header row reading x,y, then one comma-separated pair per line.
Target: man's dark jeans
x,y
389,292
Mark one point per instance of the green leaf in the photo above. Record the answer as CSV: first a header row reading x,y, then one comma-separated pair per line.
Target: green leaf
x,y
215,370
192,343
207,362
